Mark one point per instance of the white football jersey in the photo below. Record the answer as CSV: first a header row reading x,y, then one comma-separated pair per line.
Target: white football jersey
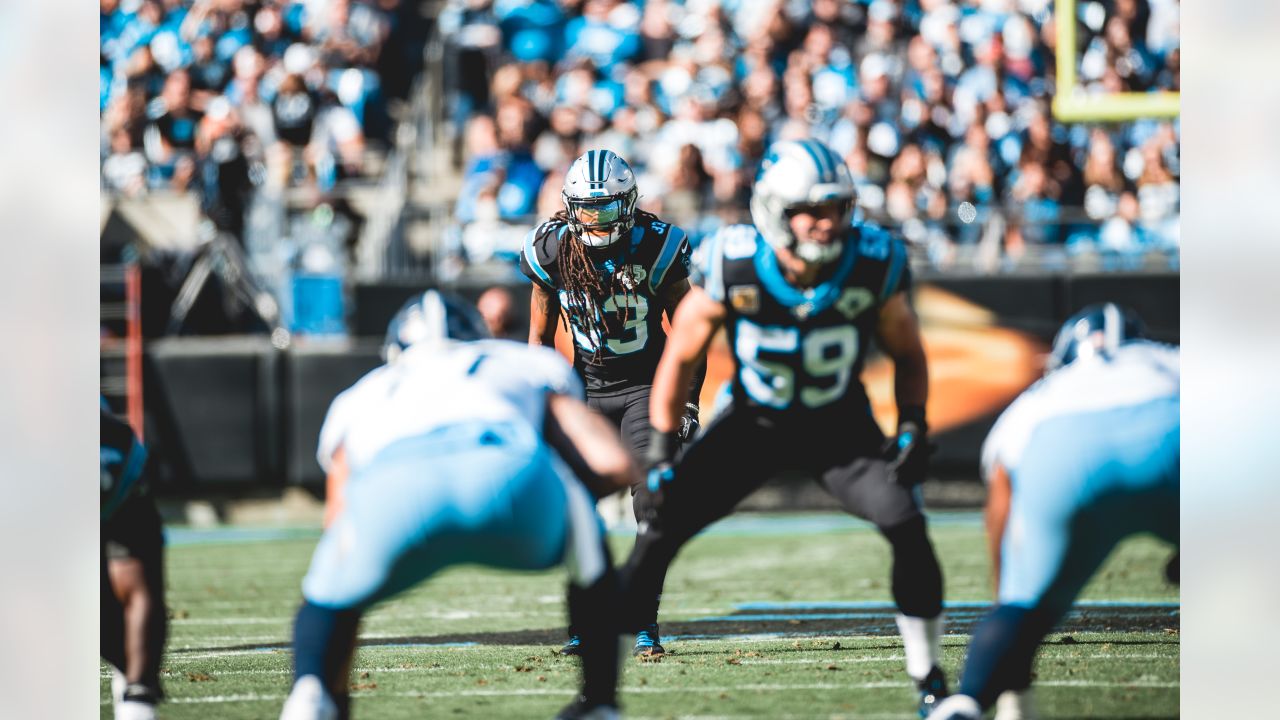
x,y
430,386
1140,372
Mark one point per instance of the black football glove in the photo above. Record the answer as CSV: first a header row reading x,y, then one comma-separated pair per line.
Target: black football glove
x,y
689,424
660,458
908,452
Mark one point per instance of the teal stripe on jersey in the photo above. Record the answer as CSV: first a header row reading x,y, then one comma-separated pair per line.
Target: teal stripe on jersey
x,y
666,257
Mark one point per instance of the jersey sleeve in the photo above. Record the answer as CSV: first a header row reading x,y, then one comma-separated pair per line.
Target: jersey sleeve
x,y
674,259
897,276
343,413
537,255
547,368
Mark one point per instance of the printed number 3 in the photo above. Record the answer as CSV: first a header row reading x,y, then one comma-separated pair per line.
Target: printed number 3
x,y
634,326
827,354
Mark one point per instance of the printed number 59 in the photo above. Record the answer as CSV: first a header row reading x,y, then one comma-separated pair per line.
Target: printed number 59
x,y
827,356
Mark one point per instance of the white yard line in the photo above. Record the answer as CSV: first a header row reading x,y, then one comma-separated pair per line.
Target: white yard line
x,y
838,661
650,689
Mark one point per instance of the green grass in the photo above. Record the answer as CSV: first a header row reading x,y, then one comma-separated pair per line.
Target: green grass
x,y
224,596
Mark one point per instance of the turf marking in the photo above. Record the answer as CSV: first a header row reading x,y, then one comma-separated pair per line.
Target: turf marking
x,y
650,689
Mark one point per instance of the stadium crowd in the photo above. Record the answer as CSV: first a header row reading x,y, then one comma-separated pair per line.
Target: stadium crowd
x,y
932,103
212,95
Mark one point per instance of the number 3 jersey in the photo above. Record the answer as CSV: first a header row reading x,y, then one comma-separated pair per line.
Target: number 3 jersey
x,y
801,351
646,265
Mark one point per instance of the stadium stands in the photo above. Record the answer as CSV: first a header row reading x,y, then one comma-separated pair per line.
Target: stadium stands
x,y
933,103
218,95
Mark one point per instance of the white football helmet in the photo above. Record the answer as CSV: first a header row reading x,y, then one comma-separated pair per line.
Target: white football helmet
x,y
795,173
600,197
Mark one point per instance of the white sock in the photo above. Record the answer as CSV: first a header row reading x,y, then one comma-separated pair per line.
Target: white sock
x,y
921,643
957,707
1015,705
131,710
309,700
118,684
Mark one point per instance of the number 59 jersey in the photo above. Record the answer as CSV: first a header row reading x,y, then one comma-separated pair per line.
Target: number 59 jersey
x,y
650,261
801,351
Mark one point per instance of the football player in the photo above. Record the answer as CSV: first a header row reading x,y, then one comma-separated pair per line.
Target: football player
x,y
459,450
800,295
608,271
1084,458
133,624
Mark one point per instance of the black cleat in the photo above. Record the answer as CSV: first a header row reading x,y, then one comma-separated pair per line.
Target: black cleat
x,y
573,647
933,688
647,645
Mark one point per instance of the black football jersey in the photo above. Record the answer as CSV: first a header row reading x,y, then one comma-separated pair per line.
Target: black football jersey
x,y
801,350
658,255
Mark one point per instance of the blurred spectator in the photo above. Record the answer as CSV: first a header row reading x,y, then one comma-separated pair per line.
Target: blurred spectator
x,y
125,169
170,137
932,103
497,307
225,168
1158,193
298,79
1104,182
1037,210
687,194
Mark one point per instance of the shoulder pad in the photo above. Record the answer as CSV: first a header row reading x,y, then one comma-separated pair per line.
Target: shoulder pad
x,y
875,242
541,245
674,249
740,241
734,242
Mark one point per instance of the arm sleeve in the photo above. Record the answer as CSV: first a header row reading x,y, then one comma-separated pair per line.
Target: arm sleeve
x,y
343,412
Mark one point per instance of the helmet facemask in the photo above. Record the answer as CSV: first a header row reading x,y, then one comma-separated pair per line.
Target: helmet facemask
x,y
815,252
599,197
601,221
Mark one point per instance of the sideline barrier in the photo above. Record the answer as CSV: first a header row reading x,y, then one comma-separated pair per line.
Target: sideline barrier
x,y
235,411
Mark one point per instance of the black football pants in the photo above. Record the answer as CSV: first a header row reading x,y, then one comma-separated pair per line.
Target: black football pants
x,y
737,454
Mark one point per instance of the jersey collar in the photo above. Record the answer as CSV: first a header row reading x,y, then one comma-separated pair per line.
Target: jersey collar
x,y
614,263
805,303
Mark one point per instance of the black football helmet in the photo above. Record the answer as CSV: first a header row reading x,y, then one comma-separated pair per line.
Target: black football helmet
x,y
1096,331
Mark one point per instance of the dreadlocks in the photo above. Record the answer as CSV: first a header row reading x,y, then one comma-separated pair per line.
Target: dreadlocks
x,y
587,290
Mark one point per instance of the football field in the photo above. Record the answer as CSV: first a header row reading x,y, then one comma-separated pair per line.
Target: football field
x,y
770,616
